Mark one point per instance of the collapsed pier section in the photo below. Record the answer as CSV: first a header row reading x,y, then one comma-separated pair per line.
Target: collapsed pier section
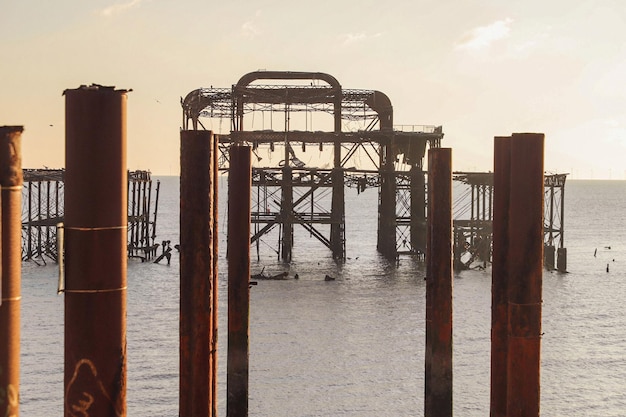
x,y
473,219
43,209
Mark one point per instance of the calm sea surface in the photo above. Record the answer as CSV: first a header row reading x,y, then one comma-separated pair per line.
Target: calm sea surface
x,y
355,346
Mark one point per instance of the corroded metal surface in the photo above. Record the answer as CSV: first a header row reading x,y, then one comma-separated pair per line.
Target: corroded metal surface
x,y
438,356
238,281
499,295
198,346
10,284
95,252
525,274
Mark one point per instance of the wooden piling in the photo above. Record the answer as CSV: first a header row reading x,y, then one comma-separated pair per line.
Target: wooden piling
x,y
11,181
198,346
525,269
438,357
499,276
96,219
239,188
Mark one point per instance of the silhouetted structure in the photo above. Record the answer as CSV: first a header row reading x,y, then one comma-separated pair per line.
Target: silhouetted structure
x,y
358,125
288,192
42,209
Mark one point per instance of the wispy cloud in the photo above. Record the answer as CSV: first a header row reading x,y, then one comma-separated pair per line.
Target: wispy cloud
x,y
348,39
483,36
119,8
250,28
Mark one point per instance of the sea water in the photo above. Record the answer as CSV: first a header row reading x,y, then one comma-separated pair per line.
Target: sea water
x,y
355,346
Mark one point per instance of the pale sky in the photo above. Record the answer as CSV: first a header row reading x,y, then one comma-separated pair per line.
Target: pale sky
x,y
478,68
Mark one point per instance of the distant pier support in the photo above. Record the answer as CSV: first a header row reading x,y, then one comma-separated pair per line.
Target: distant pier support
x,y
387,205
286,214
337,216
418,210
554,230
43,194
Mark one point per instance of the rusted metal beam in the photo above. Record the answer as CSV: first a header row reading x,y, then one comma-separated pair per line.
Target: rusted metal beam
x,y
525,256
438,357
11,181
239,189
95,251
198,346
499,274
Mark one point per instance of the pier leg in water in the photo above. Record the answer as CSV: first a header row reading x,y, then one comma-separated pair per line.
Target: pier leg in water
x,y
239,188
438,357
525,269
499,294
198,346
96,227
11,181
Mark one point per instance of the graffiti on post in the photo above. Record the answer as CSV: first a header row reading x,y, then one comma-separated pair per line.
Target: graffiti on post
x,y
85,392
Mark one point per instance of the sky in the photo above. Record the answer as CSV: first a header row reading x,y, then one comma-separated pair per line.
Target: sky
x,y
478,68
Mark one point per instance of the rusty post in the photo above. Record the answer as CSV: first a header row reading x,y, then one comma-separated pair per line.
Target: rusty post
x,y
525,257
197,291
499,295
438,358
239,186
96,223
11,181
213,341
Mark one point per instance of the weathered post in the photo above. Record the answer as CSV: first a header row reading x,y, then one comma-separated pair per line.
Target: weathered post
x,y
239,188
438,357
525,256
198,346
96,220
11,181
499,295
214,361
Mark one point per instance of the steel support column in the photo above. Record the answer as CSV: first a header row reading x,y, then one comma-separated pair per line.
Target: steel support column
x,y
438,356
95,251
525,269
239,205
10,247
198,346
499,273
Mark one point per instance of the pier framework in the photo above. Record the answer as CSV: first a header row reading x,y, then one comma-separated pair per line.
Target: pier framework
x,y
278,114
290,192
473,218
43,196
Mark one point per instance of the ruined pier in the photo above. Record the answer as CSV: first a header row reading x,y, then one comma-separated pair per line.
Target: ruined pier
x,y
43,196
348,139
